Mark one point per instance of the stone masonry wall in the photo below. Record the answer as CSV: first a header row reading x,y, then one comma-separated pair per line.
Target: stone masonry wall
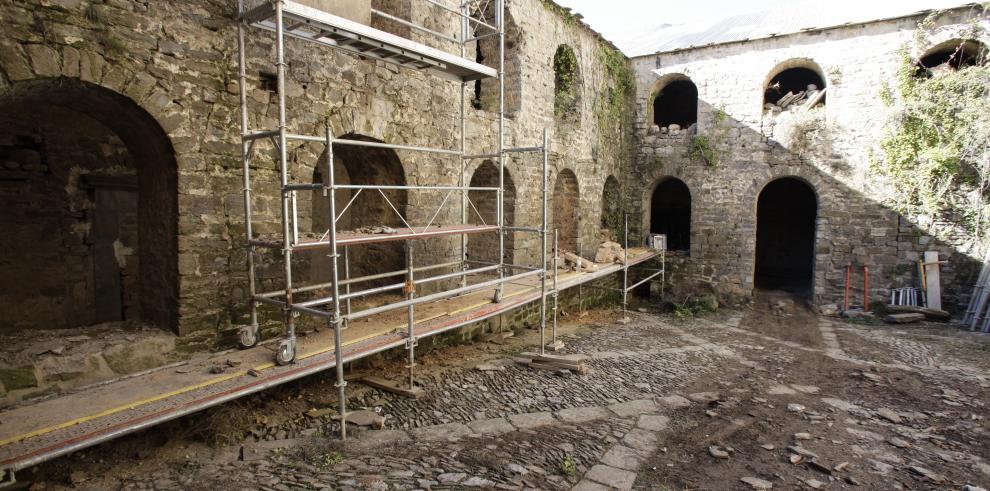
x,y
830,152
176,62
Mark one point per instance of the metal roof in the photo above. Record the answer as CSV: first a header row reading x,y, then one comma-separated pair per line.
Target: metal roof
x,y
787,19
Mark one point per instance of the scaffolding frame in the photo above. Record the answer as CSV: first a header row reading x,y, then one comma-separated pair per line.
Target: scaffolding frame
x,y
288,19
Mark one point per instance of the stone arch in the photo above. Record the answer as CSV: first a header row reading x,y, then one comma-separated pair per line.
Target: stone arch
x,y
954,53
566,84
566,209
787,210
669,208
357,165
674,100
794,76
105,172
611,218
484,247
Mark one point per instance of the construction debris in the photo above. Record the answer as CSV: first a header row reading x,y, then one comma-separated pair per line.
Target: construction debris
x,y
930,314
572,363
610,253
903,318
578,263
806,99
389,386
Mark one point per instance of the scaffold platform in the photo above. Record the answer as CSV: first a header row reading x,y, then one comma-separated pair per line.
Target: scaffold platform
x,y
33,432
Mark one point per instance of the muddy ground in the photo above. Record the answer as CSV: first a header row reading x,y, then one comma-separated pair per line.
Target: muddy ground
x,y
769,395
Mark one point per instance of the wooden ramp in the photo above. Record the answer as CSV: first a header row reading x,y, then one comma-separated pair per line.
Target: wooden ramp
x,y
35,431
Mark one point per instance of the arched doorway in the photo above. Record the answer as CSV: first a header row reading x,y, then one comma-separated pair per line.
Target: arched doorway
x,y
786,212
88,189
484,247
359,165
566,206
670,213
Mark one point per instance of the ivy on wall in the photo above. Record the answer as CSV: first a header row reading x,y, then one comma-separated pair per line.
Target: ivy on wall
x,y
565,80
936,149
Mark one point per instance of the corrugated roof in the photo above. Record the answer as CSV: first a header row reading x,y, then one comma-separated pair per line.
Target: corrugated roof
x,y
787,19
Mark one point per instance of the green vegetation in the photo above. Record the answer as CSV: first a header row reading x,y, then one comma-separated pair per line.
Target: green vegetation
x,y
935,150
328,461
693,306
568,467
565,80
707,148
618,87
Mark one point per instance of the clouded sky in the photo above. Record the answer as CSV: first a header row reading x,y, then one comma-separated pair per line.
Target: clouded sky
x,y
622,20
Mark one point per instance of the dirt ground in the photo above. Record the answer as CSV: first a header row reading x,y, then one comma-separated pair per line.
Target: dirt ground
x,y
771,394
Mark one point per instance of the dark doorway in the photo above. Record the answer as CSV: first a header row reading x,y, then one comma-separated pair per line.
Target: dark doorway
x,y
785,236
792,80
677,103
88,189
670,213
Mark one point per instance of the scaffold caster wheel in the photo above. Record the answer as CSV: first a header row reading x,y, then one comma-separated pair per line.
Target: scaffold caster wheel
x,y
247,337
286,352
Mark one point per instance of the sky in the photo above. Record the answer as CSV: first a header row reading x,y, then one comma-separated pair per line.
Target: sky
x,y
620,21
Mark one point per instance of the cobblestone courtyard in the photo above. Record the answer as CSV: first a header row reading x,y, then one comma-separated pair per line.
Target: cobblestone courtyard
x,y
736,400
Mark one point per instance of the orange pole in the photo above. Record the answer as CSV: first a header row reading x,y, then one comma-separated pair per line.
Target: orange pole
x,y
866,288
845,303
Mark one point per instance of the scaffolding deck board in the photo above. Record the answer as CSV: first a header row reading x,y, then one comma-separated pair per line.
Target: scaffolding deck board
x,y
321,27
33,432
355,238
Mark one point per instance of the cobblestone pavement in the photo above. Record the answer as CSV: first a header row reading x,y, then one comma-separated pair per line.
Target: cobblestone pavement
x,y
624,425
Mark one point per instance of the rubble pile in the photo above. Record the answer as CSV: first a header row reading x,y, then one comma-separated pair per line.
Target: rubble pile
x,y
806,99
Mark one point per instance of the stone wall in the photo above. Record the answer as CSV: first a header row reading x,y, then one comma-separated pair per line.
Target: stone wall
x,y
175,64
828,148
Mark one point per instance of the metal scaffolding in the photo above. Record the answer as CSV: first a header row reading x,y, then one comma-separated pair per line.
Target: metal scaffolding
x,y
290,19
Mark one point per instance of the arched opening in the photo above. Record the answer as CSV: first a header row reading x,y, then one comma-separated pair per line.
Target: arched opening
x,y
676,103
786,212
952,55
566,206
361,166
612,208
799,80
88,188
566,82
670,213
484,247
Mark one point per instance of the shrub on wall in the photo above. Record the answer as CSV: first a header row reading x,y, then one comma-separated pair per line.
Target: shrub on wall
x,y
936,149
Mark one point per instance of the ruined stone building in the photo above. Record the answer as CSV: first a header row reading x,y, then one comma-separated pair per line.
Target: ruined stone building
x,y
120,170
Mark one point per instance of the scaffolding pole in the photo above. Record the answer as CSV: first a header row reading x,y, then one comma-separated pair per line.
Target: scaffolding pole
x,y
410,294
286,352
499,16
247,336
543,251
625,269
336,320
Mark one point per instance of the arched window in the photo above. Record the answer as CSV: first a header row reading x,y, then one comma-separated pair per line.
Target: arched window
x,y
90,209
566,83
795,83
952,55
786,212
676,103
670,213
485,93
